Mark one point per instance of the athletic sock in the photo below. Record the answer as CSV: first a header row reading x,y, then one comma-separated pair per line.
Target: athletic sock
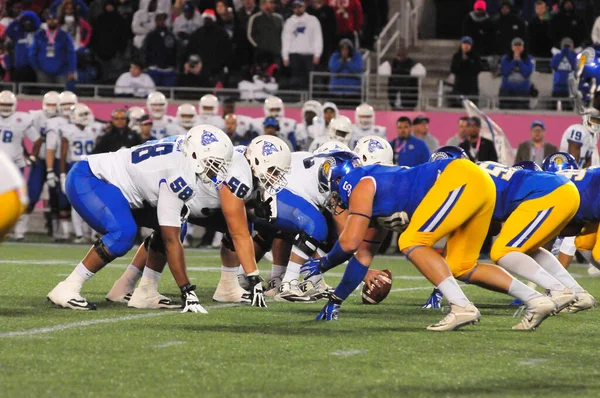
x,y
131,275
554,267
292,273
150,278
229,274
453,292
524,293
522,265
277,271
79,276
64,227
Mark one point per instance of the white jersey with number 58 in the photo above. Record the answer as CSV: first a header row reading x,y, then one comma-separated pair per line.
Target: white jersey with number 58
x,y
578,134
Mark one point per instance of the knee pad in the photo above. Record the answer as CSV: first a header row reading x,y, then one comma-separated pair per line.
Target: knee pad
x,y
306,244
227,241
102,251
264,243
155,242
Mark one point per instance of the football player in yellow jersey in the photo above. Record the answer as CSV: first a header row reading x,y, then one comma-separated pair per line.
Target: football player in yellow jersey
x,y
13,195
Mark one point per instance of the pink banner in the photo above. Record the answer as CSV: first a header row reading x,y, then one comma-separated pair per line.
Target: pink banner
x,y
442,124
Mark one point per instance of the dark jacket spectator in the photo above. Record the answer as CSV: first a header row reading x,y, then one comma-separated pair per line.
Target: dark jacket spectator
x,y
466,67
52,54
565,23
536,149
403,86
516,68
478,149
346,60
563,64
211,42
507,26
328,20
243,48
539,42
225,17
264,30
109,29
349,15
159,52
285,9
478,25
193,75
118,135
22,31
88,70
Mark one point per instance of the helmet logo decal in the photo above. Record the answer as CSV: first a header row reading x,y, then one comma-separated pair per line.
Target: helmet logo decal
x,y
208,138
269,148
374,145
440,156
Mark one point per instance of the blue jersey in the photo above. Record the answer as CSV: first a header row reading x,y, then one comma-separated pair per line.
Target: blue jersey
x,y
514,186
399,189
587,182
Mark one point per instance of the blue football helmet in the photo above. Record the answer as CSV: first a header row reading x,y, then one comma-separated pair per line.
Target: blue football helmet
x,y
336,166
448,152
559,161
527,165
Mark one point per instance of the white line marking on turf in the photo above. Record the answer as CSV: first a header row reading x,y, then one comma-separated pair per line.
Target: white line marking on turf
x,y
170,344
531,362
348,353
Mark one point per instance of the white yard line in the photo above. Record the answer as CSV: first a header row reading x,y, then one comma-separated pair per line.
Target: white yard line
x,y
348,353
170,344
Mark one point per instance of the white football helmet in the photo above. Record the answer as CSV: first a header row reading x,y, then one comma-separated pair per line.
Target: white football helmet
x,y
157,104
66,100
209,150
274,107
591,120
270,159
374,150
50,104
81,115
364,116
133,115
186,116
340,129
312,106
208,105
8,103
332,146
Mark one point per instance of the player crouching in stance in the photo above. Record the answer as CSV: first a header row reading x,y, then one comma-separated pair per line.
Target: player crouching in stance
x,y
105,188
13,195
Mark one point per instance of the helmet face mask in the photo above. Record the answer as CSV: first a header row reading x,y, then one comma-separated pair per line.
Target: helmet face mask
x,y
208,105
156,104
364,116
81,115
8,103
186,116
270,159
66,100
209,150
50,104
134,114
340,129
330,174
592,122
273,107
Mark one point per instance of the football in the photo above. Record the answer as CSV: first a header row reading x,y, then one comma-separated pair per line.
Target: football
x,y
376,295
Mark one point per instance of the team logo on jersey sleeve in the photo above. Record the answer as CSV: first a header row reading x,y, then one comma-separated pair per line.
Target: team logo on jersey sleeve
x,y
374,145
208,138
269,148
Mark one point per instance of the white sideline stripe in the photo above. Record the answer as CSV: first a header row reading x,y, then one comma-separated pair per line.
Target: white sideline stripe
x,y
83,324
348,353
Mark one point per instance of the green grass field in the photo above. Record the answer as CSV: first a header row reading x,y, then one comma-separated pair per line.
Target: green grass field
x,y
239,351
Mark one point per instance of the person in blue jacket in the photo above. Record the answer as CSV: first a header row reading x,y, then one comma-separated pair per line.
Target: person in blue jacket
x,y
516,68
21,31
563,64
346,60
408,150
52,54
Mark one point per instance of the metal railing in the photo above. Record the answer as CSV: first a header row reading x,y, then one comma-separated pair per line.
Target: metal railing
x,y
321,88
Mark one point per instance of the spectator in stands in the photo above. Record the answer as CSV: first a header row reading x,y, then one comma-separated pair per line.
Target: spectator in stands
x,y
77,27
88,70
134,83
421,131
225,17
211,42
5,63
22,31
345,61
160,52
9,11
118,135
144,21
596,31
461,134
536,149
403,85
52,54
508,26
264,30
194,74
565,23
539,41
479,26
239,135
79,4
262,84
107,41
243,48
145,124
563,64
187,22
301,44
349,15
408,150
516,68
328,21
478,149
285,9
163,5
466,67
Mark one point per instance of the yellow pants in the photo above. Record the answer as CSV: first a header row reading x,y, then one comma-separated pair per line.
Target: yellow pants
x,y
588,240
459,205
11,209
536,221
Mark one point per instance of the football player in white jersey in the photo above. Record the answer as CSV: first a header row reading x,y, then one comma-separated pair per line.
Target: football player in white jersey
x,y
311,111
13,195
581,140
77,141
133,117
245,123
208,111
373,149
14,128
273,107
163,125
340,129
187,116
105,188
320,125
364,119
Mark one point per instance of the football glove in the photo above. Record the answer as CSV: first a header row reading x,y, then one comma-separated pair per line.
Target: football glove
x,y
29,160
435,300
331,311
313,266
397,222
190,300
51,178
63,182
262,210
256,291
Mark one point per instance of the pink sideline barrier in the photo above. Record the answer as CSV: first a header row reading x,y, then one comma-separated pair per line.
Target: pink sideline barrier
x,y
442,125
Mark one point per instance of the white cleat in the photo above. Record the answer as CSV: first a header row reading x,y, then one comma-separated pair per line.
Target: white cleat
x,y
268,256
585,301
593,271
273,287
146,297
536,311
121,292
457,318
563,298
231,292
66,295
316,292
291,292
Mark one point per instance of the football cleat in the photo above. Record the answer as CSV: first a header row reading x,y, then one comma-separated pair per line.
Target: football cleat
x,y
585,301
516,303
593,271
146,297
120,292
563,298
316,292
273,286
435,300
291,292
67,296
331,312
230,291
456,318
536,311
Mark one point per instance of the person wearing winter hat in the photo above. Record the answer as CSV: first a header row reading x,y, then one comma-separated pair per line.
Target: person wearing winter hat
x,y
478,25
